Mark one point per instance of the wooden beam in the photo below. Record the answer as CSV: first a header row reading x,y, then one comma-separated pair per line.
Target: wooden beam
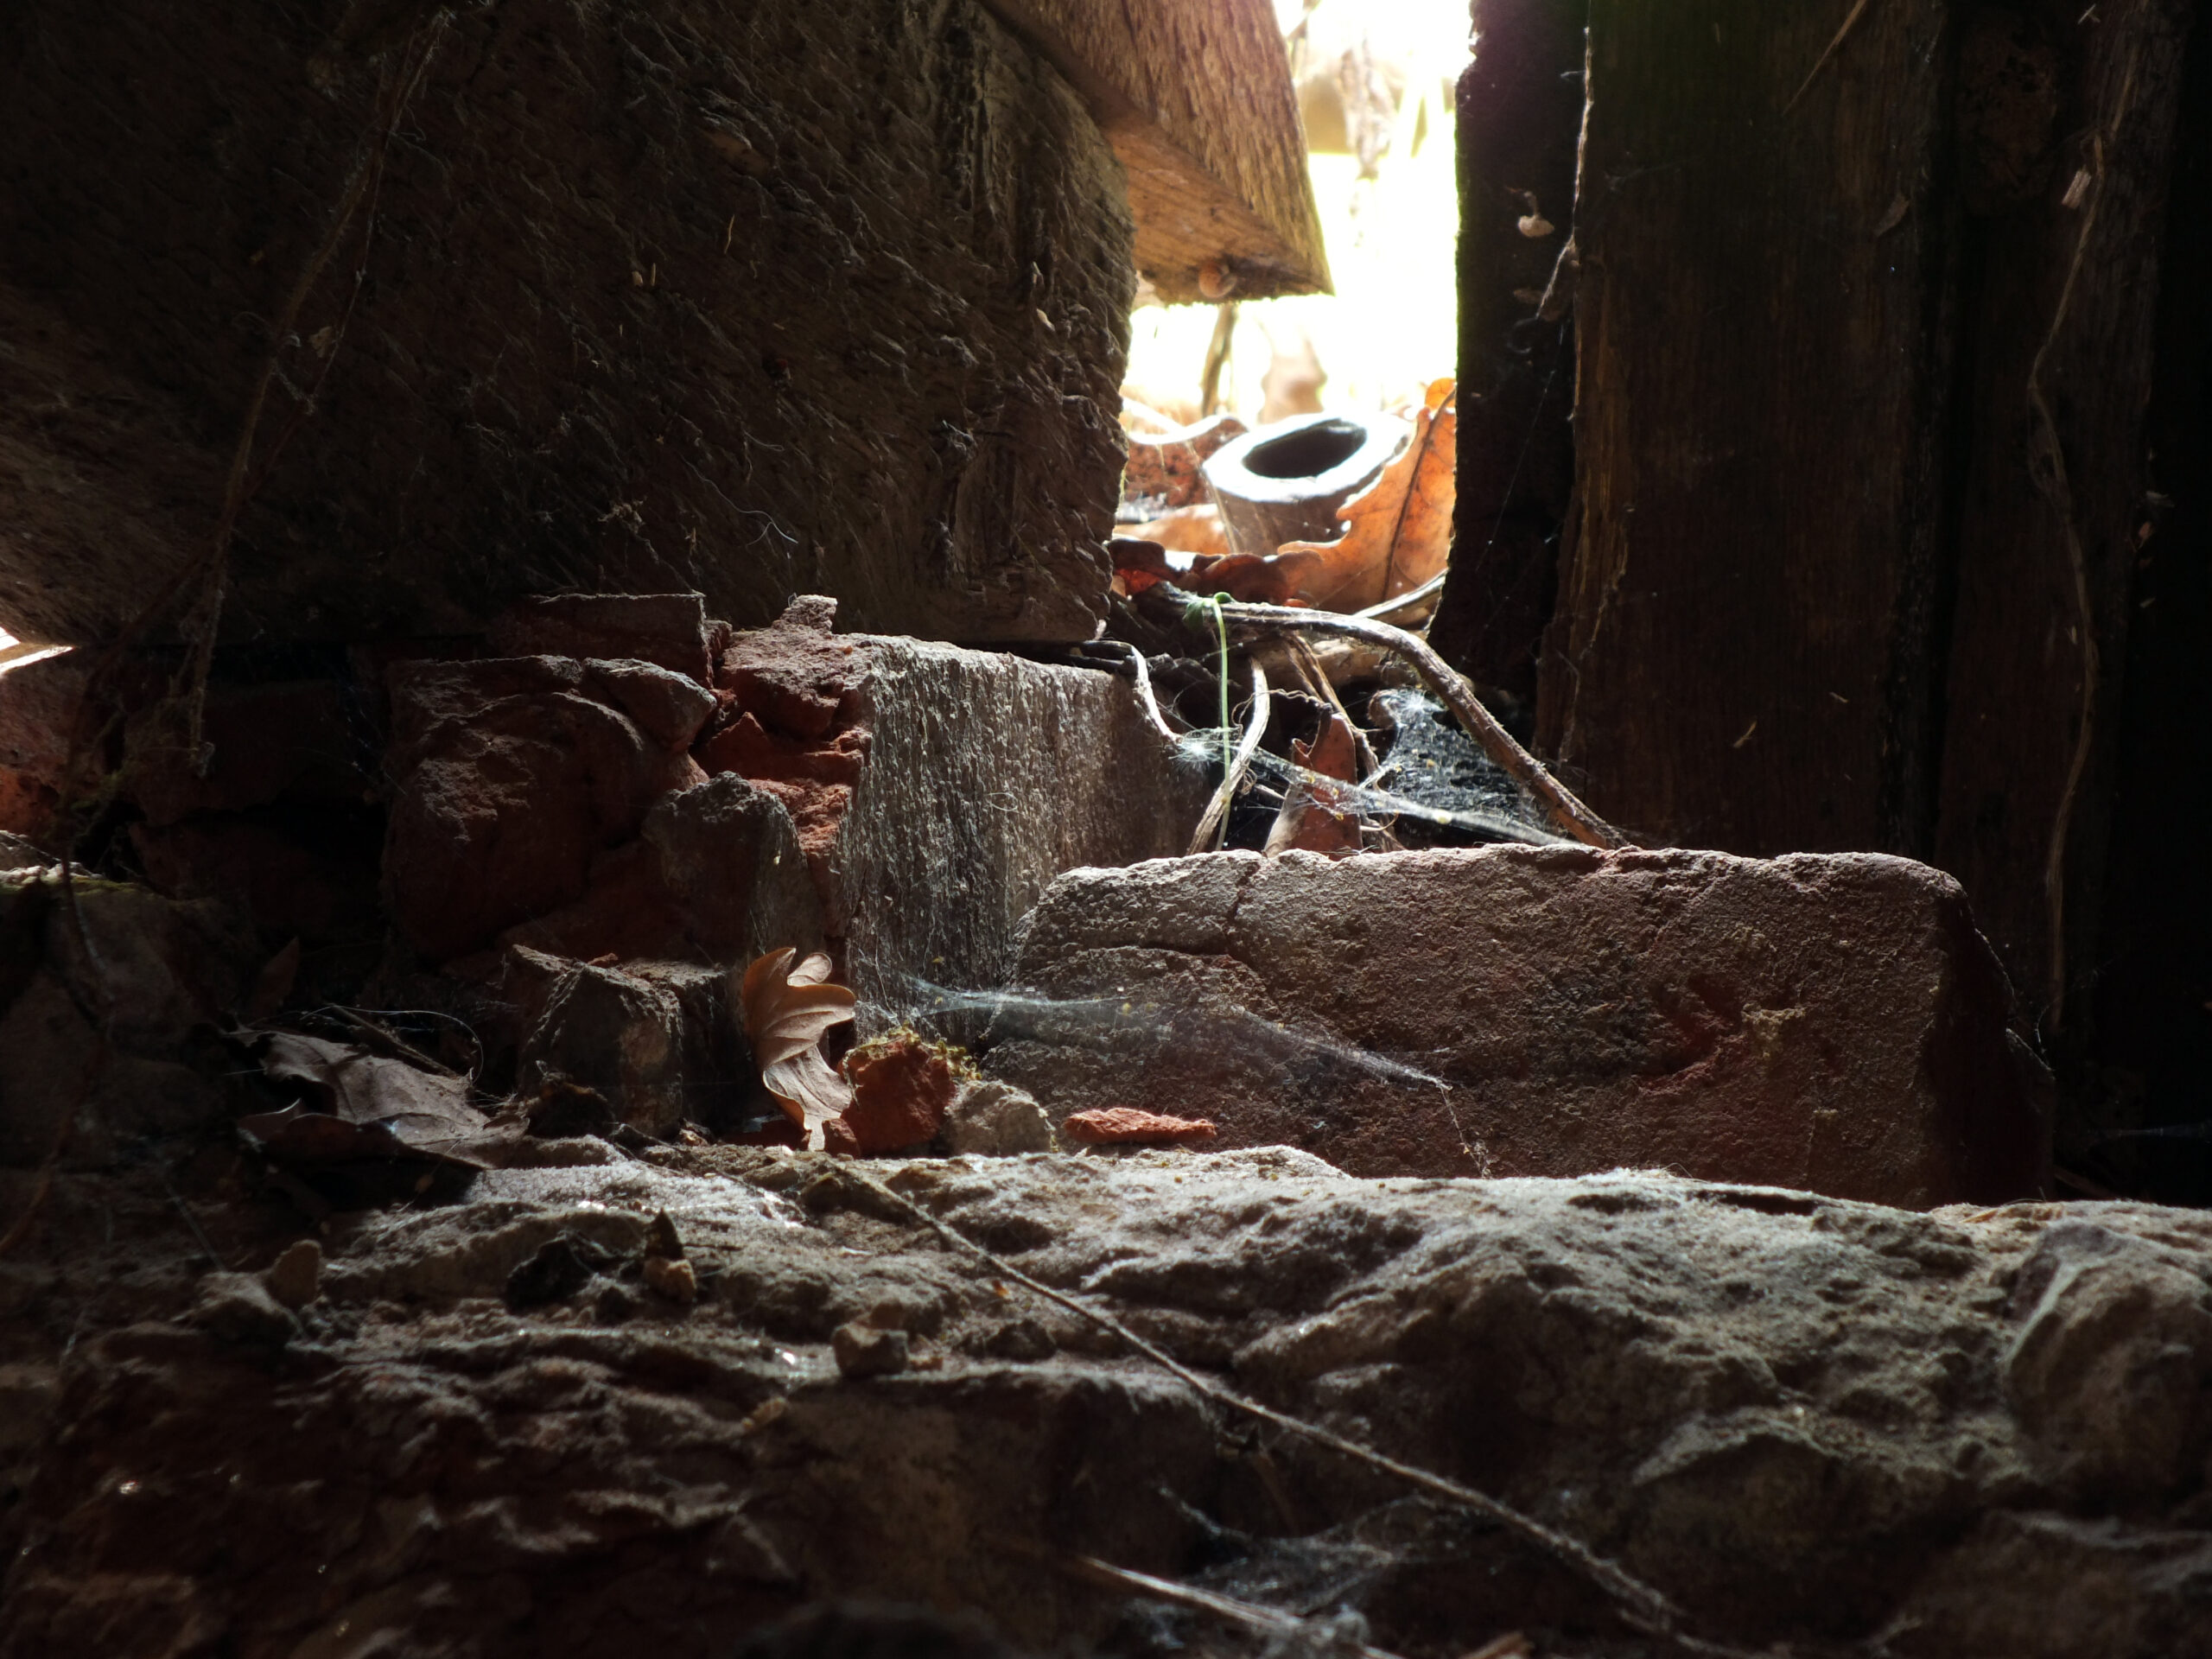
x,y
1196,97
1739,658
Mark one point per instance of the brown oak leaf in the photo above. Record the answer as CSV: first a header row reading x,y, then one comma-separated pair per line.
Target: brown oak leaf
x,y
785,1011
1399,530
1316,818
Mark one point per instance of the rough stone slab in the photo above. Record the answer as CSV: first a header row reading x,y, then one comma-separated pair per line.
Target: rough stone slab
x,y
987,777
513,776
1806,1419
1828,1022
925,795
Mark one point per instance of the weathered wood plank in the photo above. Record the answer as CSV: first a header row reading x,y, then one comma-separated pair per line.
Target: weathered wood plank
x,y
751,300
1739,656
1195,96
2153,951
2055,492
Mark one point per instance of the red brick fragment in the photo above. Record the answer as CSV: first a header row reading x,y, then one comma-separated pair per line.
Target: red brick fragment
x,y
902,1088
796,676
748,748
1126,1126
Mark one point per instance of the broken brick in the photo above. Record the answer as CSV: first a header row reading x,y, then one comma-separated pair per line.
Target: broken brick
x,y
1126,1126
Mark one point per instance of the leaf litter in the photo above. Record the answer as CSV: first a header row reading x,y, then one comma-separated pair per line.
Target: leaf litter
x,y
786,1011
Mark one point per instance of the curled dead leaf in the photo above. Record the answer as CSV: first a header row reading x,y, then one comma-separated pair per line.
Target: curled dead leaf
x,y
786,1010
1399,530
1316,818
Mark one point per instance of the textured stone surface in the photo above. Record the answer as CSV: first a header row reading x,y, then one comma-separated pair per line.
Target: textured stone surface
x,y
549,803
620,1033
903,1088
668,630
994,1119
716,875
987,777
1829,1022
94,1041
38,700
750,300
512,775
1806,1419
913,769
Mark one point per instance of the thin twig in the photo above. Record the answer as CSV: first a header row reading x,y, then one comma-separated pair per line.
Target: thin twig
x,y
1412,599
2058,489
1144,694
1834,45
1569,816
378,1037
1230,1609
1218,809
1307,662
1644,1604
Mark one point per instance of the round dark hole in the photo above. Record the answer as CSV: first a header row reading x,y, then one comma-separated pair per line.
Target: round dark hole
x,y
1308,452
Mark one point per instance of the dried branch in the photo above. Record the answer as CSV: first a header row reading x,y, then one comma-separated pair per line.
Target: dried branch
x,y
1307,662
1145,694
1218,809
1271,1620
1569,816
1412,599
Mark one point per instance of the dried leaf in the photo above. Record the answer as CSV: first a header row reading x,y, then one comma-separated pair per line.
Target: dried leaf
x,y
359,1105
785,1011
1315,818
1185,530
1257,579
1399,531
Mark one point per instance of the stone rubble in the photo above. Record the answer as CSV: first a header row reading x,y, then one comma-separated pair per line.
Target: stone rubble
x,y
631,1389
1808,1421
1830,1022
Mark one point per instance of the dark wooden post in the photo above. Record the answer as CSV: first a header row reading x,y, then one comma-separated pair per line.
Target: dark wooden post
x,y
2054,506
1864,337
1520,120
1740,654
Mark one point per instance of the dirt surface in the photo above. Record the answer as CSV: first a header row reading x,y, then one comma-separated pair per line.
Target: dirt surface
x,y
661,298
